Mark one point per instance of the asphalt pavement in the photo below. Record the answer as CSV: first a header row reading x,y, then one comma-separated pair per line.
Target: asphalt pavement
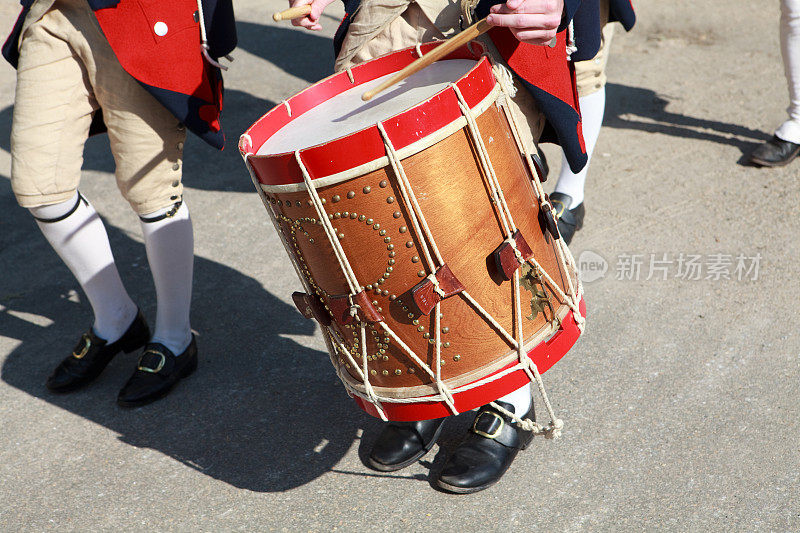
x,y
680,400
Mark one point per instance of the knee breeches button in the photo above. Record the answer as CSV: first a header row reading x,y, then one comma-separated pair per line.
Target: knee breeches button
x,y
176,166
160,28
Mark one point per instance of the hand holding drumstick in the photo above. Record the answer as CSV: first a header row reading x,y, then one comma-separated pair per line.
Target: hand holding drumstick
x,y
310,20
531,21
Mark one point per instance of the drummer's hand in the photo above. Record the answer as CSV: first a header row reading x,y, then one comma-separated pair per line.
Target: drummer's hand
x,y
310,21
531,21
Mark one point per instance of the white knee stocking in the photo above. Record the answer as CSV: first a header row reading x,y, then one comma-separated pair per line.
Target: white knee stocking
x,y
170,252
75,231
790,50
592,110
520,399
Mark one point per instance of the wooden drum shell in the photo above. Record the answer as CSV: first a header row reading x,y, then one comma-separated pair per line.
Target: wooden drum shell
x,y
373,224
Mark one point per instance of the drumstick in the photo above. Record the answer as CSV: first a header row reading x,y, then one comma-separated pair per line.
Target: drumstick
x,y
437,53
292,13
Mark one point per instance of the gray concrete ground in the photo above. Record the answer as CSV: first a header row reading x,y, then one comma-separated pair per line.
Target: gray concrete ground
x,y
680,400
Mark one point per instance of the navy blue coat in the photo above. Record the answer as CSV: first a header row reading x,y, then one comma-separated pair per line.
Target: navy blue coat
x,y
588,29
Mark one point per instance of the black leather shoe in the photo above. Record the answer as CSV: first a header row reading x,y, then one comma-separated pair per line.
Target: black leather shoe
x,y
402,443
569,220
92,354
775,153
158,371
482,459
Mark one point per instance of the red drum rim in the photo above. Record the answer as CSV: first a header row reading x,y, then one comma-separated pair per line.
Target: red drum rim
x,y
544,355
364,146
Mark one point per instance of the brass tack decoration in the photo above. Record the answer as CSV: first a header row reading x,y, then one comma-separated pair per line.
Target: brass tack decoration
x,y
390,200
383,183
397,214
367,189
351,194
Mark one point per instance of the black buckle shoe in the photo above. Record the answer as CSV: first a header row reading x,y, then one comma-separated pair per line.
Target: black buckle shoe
x,y
92,354
775,153
482,459
158,371
402,443
569,220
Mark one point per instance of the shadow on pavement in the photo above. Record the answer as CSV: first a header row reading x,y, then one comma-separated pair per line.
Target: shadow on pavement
x,y
262,412
635,108
311,56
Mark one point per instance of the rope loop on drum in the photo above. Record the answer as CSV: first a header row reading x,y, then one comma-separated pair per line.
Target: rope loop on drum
x,y
550,431
288,107
505,79
350,74
436,288
517,254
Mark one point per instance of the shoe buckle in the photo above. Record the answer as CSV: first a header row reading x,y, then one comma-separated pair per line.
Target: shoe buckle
x,y
159,366
559,212
87,343
493,434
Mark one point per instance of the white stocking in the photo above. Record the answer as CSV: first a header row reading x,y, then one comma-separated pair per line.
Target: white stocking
x,y
520,399
170,251
81,241
790,50
592,110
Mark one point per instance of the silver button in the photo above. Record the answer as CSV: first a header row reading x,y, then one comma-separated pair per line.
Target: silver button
x,y
160,28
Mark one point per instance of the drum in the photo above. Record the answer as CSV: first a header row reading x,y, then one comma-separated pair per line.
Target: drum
x,y
417,224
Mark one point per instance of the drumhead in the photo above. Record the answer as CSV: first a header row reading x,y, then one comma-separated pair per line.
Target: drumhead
x,y
346,113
